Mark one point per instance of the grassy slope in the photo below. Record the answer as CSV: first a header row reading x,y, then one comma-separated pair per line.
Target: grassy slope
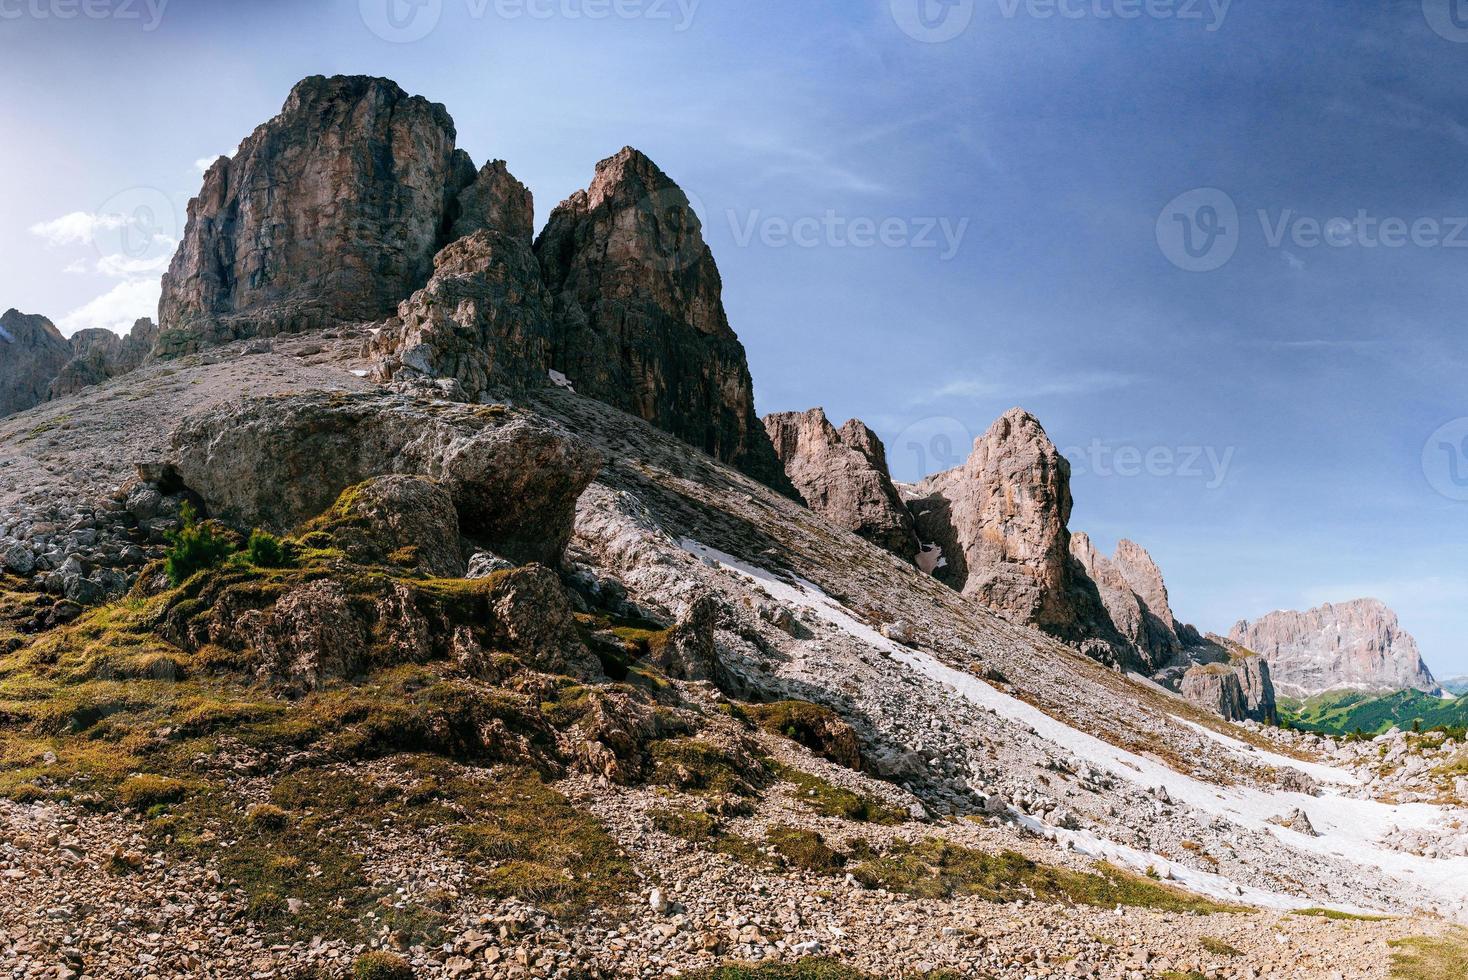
x,y
1342,712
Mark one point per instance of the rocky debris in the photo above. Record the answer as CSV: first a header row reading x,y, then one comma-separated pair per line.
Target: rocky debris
x,y
100,355
687,651
483,564
1358,644
1298,821
32,354
496,202
843,476
404,519
639,314
1001,521
331,212
273,463
483,321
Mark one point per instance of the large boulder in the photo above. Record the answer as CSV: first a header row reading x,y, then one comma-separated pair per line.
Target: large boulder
x,y
843,477
332,211
405,520
32,354
639,316
276,462
99,355
1358,644
1001,522
483,321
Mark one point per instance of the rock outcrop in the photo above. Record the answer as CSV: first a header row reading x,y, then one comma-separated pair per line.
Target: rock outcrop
x,y
1000,520
843,477
100,355
496,201
1237,690
273,463
483,321
639,315
1135,597
1357,645
32,354
332,211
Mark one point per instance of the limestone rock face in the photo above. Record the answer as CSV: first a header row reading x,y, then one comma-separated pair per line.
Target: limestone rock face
x,y
843,477
274,463
496,201
332,211
100,355
1236,690
402,519
639,314
1358,644
1135,597
483,320
1001,522
32,353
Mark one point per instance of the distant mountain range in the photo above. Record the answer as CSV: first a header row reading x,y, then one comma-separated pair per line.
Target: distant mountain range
x,y
1456,686
1344,712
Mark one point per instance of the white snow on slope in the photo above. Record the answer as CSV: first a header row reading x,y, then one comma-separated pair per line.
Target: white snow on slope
x,y
5,336
1349,828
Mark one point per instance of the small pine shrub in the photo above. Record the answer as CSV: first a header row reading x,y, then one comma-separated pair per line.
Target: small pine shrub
x,y
194,547
265,550
381,966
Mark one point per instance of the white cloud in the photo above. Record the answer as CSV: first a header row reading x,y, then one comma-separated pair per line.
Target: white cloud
x,y
78,227
117,308
77,268
204,163
122,267
1015,387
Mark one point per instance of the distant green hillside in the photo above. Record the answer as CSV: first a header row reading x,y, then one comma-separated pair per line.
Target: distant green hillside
x,y
1455,685
1342,712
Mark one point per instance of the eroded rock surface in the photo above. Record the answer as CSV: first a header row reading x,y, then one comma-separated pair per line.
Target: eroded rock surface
x,y
639,314
1357,644
32,354
273,463
843,477
100,355
330,212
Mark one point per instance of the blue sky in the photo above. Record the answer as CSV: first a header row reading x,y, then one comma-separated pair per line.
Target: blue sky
x,y
923,221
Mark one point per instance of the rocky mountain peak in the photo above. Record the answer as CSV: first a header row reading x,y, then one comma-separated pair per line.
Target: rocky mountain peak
x,y
1145,578
330,212
639,318
496,201
32,353
1356,645
842,474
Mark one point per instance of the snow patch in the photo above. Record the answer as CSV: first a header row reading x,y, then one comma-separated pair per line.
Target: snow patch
x,y
1349,828
5,336
560,380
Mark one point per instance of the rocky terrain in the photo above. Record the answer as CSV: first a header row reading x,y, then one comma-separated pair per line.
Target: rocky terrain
x,y
32,354
406,637
1358,644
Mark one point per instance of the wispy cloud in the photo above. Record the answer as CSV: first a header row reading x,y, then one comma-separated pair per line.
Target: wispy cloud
x,y
115,309
1014,386
77,228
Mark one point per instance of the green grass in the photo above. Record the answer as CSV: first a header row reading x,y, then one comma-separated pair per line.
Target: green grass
x,y
1430,959
1345,712
1338,916
1218,947
832,801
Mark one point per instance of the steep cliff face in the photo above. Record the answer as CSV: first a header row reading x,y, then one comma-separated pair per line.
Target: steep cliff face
x,y
330,212
100,355
1237,685
843,476
639,316
1135,596
1358,644
1001,522
32,353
